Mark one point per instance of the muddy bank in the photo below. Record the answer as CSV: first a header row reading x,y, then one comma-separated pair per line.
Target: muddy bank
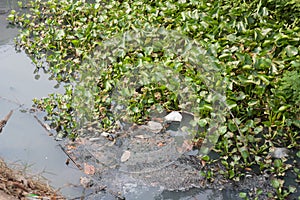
x,y
17,185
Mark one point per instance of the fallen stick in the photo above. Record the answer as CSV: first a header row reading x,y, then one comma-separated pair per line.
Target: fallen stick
x,y
4,121
44,125
69,156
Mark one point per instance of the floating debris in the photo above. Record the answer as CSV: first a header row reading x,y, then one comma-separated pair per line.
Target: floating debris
x,y
125,156
277,152
95,139
142,136
86,182
105,134
174,116
89,169
154,127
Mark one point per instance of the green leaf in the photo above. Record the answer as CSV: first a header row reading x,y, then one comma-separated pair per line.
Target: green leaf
x,y
32,195
60,34
205,158
76,43
258,129
276,183
298,154
283,108
292,189
202,122
253,102
264,79
242,194
244,152
231,104
231,173
277,163
291,51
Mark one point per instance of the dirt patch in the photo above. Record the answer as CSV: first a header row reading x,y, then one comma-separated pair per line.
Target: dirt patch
x,y
15,185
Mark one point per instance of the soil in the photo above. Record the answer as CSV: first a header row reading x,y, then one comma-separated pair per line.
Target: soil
x,y
16,185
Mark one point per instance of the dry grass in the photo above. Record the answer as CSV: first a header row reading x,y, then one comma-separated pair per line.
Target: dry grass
x,y
15,183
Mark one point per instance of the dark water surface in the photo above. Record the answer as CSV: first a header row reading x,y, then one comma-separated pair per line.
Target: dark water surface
x,y
24,141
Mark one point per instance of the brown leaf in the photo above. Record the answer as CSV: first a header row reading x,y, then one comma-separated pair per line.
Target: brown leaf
x,y
203,163
80,141
88,169
71,147
248,169
197,144
161,144
157,119
187,145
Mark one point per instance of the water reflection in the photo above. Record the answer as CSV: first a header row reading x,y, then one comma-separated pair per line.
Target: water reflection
x,y
23,140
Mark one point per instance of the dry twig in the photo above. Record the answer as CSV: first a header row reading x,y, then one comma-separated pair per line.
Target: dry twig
x,y
4,121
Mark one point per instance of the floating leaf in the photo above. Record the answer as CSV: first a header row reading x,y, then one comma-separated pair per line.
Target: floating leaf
x,y
202,122
276,183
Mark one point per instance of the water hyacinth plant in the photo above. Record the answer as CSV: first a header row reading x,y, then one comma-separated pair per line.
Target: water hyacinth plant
x,y
254,45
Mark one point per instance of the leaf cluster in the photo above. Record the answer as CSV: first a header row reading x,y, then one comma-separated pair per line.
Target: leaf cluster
x,y
254,44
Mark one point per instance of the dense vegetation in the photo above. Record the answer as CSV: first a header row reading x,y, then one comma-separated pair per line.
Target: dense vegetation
x,y
253,44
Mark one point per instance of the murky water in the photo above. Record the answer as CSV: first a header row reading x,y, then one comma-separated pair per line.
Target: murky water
x,y
25,142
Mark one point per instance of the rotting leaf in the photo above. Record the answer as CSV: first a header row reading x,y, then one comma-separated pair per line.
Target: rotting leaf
x,y
89,169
